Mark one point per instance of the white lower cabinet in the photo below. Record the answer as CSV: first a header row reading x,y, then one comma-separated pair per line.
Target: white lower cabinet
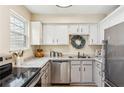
x,y
81,73
78,29
75,74
86,75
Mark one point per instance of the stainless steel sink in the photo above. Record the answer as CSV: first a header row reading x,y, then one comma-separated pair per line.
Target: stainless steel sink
x,y
79,57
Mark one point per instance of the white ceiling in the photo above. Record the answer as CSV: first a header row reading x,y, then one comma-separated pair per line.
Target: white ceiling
x,y
74,10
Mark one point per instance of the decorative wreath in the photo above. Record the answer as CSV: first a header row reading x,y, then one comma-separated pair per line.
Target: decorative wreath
x,y
78,41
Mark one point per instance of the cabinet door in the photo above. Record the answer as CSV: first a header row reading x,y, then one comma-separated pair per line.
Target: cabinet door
x,y
73,28
86,73
36,33
93,34
43,80
49,34
84,29
75,74
61,34
55,34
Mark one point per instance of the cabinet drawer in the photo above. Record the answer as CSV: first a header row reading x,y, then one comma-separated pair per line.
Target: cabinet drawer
x,y
75,62
87,62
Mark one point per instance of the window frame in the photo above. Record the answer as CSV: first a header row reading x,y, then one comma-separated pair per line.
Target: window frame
x,y
25,34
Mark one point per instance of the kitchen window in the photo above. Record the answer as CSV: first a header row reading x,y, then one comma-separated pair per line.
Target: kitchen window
x,y
18,32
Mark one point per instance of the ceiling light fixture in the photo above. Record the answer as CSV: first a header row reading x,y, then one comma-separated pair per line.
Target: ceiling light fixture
x,y
63,6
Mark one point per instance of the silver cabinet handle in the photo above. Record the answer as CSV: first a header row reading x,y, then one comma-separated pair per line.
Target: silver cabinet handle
x,y
84,68
81,30
77,29
79,69
99,73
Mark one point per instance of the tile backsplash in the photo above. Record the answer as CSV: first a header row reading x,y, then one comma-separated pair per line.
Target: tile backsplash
x,y
69,49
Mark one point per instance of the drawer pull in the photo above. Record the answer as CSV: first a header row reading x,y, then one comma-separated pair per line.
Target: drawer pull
x,y
79,69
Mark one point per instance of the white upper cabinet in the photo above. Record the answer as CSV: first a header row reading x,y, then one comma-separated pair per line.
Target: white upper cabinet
x,y
48,34
78,29
58,34
73,28
62,36
93,38
84,29
36,33
55,34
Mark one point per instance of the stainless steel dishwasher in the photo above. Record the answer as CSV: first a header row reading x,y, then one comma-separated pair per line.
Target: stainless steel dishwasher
x,y
60,72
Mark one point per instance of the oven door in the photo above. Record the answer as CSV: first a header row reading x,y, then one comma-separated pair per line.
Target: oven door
x,y
33,82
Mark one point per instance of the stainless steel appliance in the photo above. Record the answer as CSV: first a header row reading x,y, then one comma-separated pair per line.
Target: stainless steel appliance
x,y
114,56
55,54
5,59
60,72
18,77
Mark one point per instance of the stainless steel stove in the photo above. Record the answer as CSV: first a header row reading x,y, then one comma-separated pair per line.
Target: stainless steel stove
x,y
16,77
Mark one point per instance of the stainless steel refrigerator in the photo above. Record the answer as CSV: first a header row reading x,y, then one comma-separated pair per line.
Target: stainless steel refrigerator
x,y
114,55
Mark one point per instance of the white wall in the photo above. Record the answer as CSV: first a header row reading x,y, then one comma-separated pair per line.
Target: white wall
x,y
4,26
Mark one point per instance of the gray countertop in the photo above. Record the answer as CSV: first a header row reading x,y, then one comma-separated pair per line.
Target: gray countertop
x,y
40,62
